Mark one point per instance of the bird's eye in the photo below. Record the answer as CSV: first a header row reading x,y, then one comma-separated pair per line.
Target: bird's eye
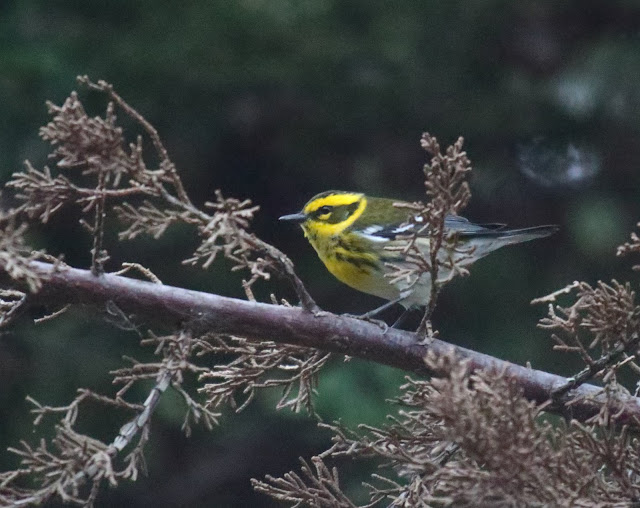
x,y
323,210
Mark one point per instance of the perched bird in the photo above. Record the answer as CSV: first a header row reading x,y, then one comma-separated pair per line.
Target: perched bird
x,y
352,233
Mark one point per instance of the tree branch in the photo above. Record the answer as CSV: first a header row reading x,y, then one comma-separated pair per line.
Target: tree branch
x,y
176,307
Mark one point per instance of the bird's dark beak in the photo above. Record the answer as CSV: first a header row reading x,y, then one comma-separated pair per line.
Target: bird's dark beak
x,y
294,217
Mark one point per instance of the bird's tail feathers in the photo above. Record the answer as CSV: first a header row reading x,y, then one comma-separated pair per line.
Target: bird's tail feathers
x,y
512,236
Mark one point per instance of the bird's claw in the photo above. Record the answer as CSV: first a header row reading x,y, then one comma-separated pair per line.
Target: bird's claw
x,y
425,334
424,340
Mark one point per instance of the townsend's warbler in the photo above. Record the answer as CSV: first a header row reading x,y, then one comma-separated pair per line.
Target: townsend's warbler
x,y
355,235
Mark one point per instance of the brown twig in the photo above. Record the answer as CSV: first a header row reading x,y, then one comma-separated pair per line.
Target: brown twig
x,y
596,367
180,200
165,161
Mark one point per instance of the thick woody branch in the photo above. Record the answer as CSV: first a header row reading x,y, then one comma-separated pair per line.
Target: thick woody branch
x,y
154,304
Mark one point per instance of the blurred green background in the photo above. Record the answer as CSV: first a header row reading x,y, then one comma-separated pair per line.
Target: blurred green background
x,y
278,100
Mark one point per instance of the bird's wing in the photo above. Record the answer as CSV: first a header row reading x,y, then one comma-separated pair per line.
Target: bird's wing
x,y
379,232
460,225
453,223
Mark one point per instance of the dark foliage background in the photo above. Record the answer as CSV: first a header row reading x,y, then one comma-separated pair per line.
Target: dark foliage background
x,y
276,101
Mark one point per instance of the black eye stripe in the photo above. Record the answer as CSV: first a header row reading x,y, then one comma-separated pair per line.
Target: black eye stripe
x,y
334,214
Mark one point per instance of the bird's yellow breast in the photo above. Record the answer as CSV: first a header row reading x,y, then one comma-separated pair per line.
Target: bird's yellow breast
x,y
355,266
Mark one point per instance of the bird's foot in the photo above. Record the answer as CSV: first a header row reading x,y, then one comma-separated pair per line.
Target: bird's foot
x,y
425,334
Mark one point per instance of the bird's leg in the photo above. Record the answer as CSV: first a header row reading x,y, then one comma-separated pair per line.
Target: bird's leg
x,y
369,316
382,308
402,319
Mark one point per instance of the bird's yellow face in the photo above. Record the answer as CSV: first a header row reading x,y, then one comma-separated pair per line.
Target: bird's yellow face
x,y
328,214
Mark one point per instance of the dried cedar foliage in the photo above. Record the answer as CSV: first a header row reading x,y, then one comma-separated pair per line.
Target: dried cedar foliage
x,y
631,247
448,192
473,440
468,439
97,171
